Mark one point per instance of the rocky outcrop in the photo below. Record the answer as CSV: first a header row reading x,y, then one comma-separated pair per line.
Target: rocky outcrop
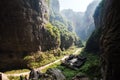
x,y
74,17
51,74
87,22
56,74
22,25
93,43
108,20
22,30
67,37
110,40
55,12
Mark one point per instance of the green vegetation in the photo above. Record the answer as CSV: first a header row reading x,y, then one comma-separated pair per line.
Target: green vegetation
x,y
14,78
92,66
51,66
55,34
52,30
65,27
42,58
67,38
16,71
38,59
69,73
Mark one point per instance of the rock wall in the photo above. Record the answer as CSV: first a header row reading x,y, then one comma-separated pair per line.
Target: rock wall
x,y
93,43
110,40
108,21
22,30
83,21
21,24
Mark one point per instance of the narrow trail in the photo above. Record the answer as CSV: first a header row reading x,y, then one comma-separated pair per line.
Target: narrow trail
x,y
43,67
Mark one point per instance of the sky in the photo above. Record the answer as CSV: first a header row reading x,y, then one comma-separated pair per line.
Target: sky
x,y
76,5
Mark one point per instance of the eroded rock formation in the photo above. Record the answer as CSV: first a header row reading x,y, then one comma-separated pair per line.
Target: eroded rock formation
x,y
83,21
110,40
51,74
22,30
108,20
93,43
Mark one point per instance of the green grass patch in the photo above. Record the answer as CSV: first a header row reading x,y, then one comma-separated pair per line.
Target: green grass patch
x,y
17,71
39,59
69,73
92,66
42,58
51,66
14,78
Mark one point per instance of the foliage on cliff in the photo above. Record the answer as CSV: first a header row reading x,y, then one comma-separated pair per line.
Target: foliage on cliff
x,y
67,36
55,34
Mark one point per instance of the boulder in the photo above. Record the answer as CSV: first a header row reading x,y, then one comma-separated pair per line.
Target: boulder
x,y
51,74
56,74
35,75
23,31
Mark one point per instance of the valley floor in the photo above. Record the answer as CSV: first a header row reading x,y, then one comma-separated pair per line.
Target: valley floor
x,y
43,67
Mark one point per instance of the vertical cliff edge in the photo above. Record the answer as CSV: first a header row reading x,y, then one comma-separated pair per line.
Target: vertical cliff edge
x,y
22,31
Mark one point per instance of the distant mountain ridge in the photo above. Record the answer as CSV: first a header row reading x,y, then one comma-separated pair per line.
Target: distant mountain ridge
x,y
68,37
83,22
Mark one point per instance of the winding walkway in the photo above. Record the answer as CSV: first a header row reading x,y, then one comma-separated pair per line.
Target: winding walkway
x,y
43,67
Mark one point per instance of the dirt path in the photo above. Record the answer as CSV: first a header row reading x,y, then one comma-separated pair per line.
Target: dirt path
x,y
43,67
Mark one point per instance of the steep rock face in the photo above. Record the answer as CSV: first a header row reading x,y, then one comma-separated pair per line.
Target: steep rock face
x,y
110,40
22,22
88,25
68,38
93,43
74,17
22,31
55,12
84,22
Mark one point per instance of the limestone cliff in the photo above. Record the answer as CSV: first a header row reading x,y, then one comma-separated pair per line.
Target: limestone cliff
x,y
83,21
22,30
67,36
110,40
93,43
108,20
